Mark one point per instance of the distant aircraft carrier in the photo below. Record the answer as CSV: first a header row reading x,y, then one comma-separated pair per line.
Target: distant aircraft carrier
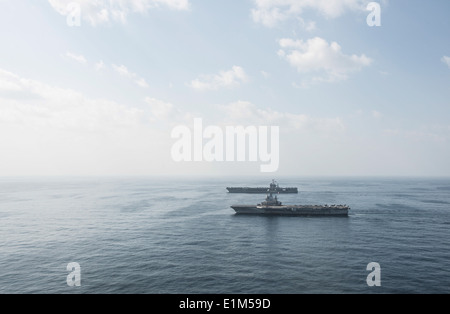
x,y
273,188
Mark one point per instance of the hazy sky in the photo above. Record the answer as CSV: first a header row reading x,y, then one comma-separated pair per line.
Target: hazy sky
x,y
102,98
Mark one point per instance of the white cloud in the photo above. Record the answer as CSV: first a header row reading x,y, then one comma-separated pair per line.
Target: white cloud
x,y
99,66
47,130
67,110
9,82
141,82
166,113
376,114
246,113
309,26
231,78
446,60
78,58
325,60
33,103
265,74
39,104
123,71
103,11
160,110
271,12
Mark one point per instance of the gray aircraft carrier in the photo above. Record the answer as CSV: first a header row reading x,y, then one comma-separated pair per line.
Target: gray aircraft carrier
x,y
274,187
271,206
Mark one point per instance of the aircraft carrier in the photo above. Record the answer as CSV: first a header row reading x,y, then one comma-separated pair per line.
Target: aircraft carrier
x,y
274,187
271,206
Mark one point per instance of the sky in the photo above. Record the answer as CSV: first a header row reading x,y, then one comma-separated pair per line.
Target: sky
x,y
95,88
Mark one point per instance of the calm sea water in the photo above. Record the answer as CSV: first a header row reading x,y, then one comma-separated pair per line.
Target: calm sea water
x,y
148,235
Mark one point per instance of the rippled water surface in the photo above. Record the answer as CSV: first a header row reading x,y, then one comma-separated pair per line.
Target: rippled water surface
x,y
148,235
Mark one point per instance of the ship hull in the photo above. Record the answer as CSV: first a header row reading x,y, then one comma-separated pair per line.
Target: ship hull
x,y
261,190
292,210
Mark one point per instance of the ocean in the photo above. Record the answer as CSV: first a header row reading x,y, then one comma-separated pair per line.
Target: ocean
x,y
179,235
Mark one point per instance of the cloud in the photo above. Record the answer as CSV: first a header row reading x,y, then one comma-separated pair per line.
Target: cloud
x,y
446,60
48,130
120,69
308,26
224,79
265,74
104,11
123,71
160,110
271,12
247,113
376,114
78,58
325,60
39,104
9,83
142,83
99,66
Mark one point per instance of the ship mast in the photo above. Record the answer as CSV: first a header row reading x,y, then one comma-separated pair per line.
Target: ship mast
x,y
273,185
